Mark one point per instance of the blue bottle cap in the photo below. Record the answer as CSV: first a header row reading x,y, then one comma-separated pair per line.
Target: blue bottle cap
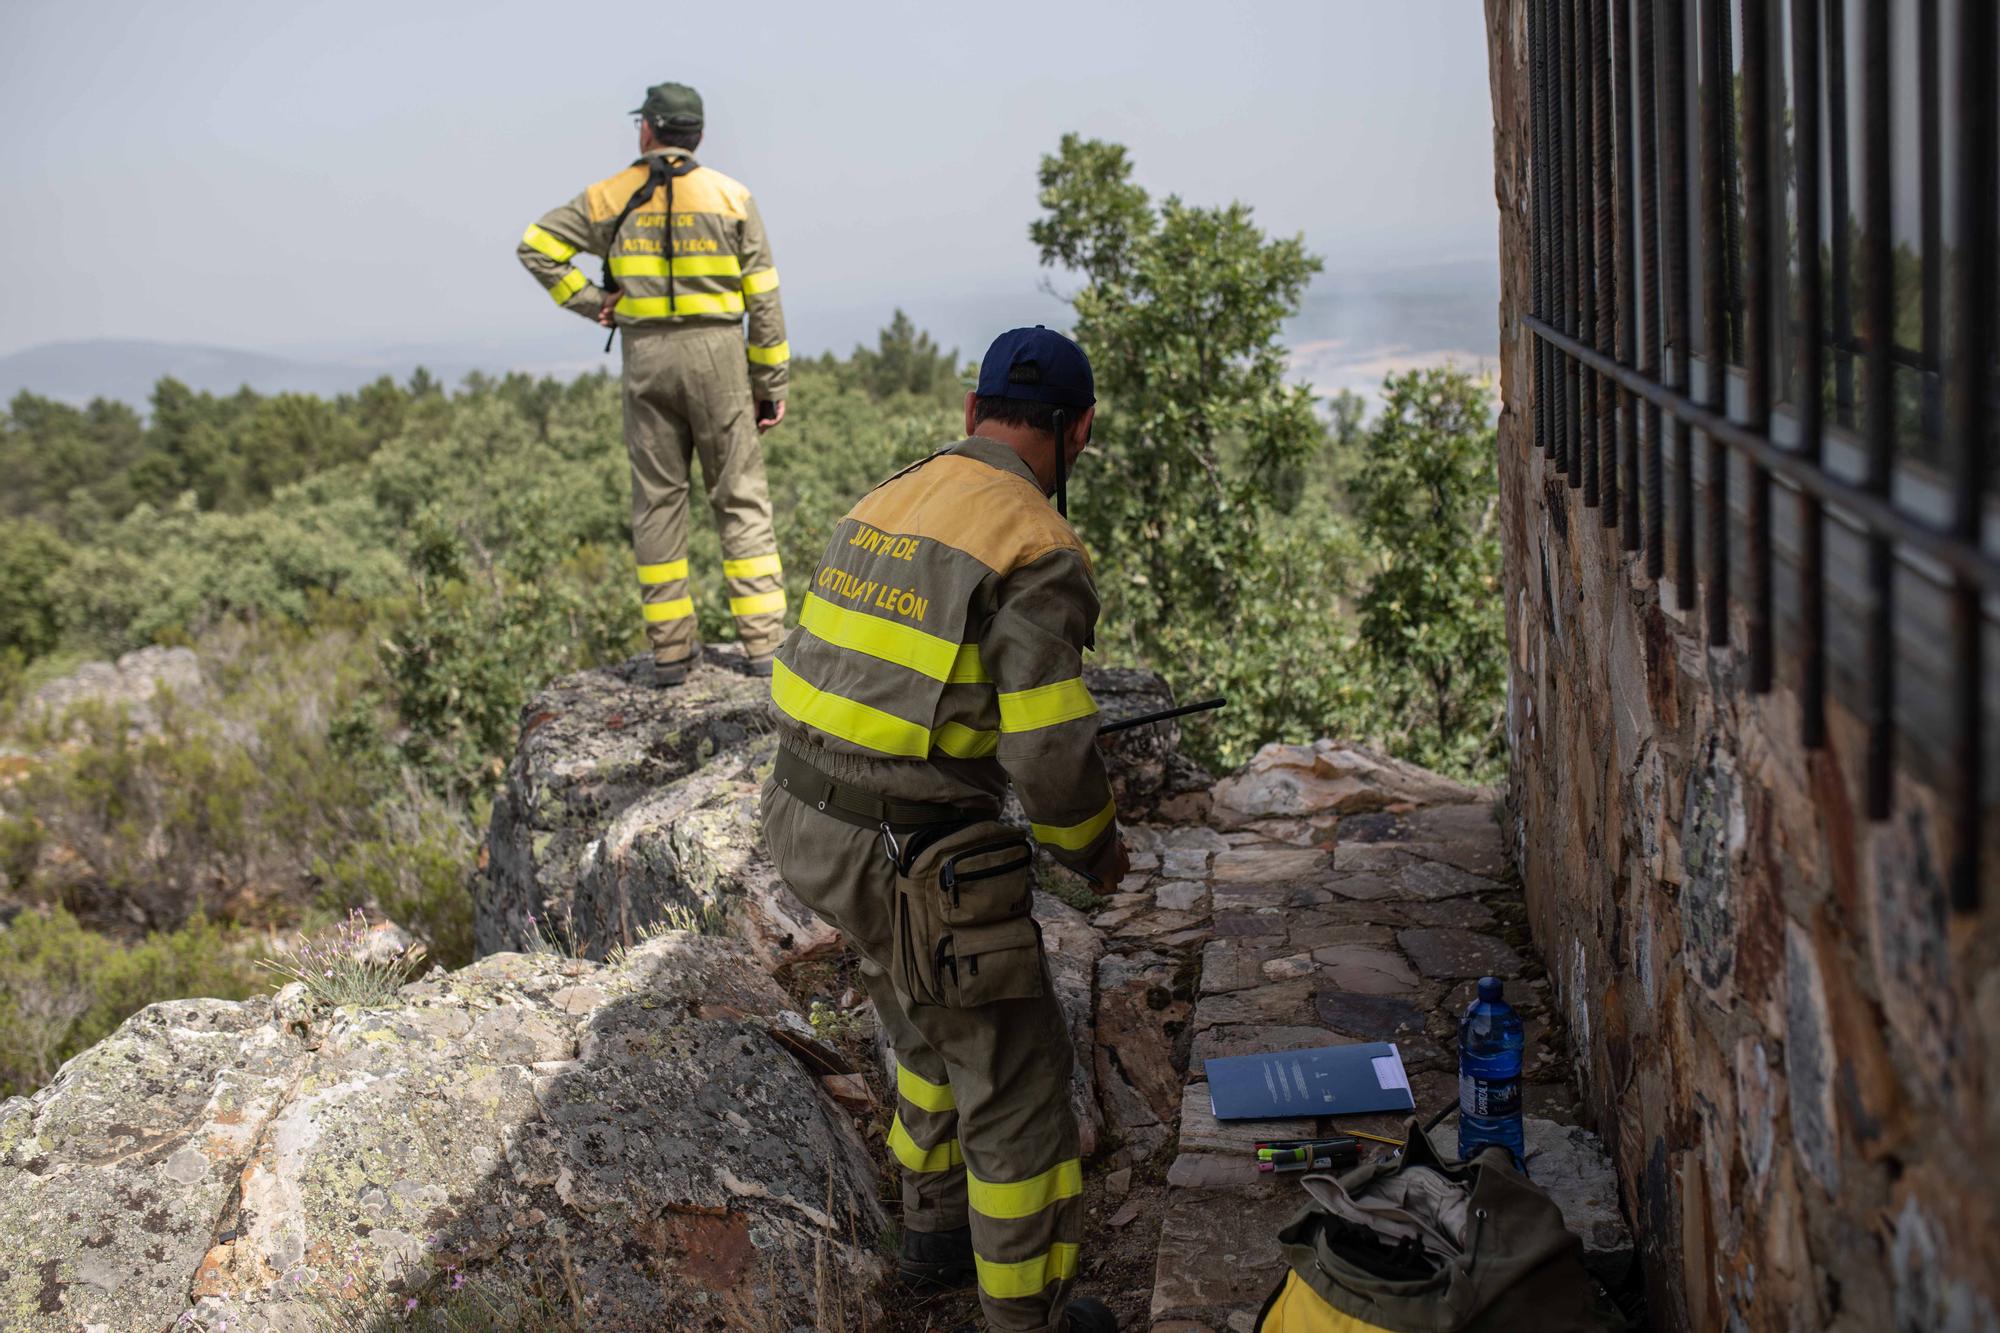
x,y
1489,990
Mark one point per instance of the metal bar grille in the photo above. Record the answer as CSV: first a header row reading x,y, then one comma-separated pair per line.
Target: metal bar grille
x,y
1538,236
1790,231
1837,161
1975,295
1566,256
1600,478
1878,316
1649,321
1807,397
1583,473
1716,234
1627,470
1759,189
1674,185
1931,187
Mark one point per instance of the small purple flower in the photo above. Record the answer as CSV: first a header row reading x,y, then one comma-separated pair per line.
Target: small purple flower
x,y
409,1305
457,1281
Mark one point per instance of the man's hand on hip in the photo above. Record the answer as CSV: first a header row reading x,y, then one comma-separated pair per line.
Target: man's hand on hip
x,y
769,414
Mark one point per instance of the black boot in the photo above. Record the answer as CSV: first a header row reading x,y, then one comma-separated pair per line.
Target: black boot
x,y
936,1258
760,666
666,675
1081,1315
1084,1315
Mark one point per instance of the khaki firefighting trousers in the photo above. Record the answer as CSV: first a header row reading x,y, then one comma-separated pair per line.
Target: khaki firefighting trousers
x,y
983,1128
687,394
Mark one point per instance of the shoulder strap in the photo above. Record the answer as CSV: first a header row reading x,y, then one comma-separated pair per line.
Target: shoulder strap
x,y
659,171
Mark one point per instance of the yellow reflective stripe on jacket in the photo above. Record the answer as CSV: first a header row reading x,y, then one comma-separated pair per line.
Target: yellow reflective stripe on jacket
x,y
921,1093
670,572
1030,1277
680,608
967,669
569,285
680,266
753,567
1008,1201
757,604
858,724
1076,837
684,303
775,355
1045,705
763,280
860,632
548,243
962,742
941,1158
846,719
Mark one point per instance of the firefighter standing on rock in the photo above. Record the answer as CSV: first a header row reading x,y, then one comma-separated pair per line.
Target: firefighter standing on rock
x,y
686,257
938,656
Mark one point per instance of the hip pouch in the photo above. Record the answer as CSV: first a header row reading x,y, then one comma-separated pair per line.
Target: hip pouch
x,y
965,933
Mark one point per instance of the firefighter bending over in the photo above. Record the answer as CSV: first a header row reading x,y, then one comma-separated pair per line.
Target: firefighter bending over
x,y
939,655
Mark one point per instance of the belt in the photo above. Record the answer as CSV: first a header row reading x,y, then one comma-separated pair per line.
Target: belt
x,y
863,809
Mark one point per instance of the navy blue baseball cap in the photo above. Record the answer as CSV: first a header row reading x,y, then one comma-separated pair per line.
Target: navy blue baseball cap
x,y
1039,365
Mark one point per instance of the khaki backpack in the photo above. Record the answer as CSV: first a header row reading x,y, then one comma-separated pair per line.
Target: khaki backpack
x,y
1416,1244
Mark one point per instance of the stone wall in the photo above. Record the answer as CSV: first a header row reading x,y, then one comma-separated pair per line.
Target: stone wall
x,y
1789,1042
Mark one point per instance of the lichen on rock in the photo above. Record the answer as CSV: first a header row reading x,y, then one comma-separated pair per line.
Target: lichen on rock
x,y
634,1123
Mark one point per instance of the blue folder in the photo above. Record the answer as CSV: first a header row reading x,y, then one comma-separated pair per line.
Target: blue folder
x,y
1332,1080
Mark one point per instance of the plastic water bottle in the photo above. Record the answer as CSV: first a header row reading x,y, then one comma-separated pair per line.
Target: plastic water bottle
x,y
1489,1075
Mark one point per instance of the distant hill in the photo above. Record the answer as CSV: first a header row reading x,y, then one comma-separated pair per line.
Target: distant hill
x,y
127,368
1355,325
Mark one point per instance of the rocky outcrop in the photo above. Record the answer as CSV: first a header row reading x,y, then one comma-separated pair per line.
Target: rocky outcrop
x,y
626,803
1297,793
533,1131
131,684
582,842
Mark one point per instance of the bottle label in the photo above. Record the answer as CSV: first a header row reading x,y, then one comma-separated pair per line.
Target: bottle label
x,y
1496,1098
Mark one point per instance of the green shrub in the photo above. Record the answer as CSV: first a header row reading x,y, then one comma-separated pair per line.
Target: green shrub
x,y
64,987
410,865
218,809
280,790
1432,623
32,557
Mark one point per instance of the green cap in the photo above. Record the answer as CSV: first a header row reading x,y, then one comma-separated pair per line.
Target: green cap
x,y
671,106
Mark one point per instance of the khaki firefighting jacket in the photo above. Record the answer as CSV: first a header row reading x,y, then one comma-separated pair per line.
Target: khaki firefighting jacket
x,y
709,264
946,623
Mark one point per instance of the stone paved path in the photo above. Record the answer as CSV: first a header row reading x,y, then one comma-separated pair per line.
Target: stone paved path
x,y
1333,897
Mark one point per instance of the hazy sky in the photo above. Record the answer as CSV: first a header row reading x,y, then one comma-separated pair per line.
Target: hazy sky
x,y
329,177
